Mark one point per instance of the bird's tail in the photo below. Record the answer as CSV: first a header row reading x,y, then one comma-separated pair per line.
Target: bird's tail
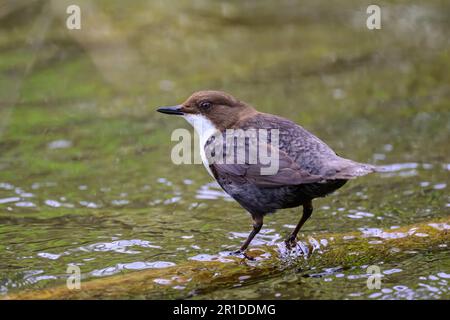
x,y
349,169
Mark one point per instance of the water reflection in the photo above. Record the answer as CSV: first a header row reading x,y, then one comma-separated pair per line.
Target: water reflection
x,y
212,191
136,265
8,200
120,246
431,287
221,257
47,255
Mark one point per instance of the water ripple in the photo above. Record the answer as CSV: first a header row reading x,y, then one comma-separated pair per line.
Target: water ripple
x,y
137,265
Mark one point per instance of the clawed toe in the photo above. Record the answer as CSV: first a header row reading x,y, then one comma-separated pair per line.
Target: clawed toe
x,y
290,242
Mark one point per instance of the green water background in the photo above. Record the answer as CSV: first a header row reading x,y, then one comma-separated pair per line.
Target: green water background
x,y
85,170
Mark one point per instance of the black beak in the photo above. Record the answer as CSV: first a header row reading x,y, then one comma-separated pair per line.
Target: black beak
x,y
171,110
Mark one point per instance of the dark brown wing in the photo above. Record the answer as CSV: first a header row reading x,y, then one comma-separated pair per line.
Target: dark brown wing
x,y
309,152
288,173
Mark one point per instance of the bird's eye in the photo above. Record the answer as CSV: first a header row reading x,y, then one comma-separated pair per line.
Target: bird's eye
x,y
205,104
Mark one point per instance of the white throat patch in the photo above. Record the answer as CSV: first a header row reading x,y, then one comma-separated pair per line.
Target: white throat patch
x,y
205,129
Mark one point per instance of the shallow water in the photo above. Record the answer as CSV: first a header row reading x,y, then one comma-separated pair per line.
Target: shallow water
x,y
85,172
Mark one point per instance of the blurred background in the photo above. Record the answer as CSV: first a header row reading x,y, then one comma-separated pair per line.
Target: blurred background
x,y
85,172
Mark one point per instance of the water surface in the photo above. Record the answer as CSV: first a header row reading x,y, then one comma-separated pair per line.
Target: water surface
x,y
85,172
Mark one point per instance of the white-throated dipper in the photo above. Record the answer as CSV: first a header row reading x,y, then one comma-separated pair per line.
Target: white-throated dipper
x,y
306,167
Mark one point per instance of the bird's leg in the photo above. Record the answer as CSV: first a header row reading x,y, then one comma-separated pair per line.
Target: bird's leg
x,y
257,225
307,211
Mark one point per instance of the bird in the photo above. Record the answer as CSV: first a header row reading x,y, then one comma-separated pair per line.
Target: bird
x,y
307,167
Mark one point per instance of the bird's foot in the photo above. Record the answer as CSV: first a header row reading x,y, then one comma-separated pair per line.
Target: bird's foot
x,y
239,253
290,242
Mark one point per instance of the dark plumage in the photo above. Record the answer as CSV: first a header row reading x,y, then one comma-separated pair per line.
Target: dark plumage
x,y
308,168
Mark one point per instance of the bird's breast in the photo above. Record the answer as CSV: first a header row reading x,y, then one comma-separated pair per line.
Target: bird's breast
x,y
205,129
